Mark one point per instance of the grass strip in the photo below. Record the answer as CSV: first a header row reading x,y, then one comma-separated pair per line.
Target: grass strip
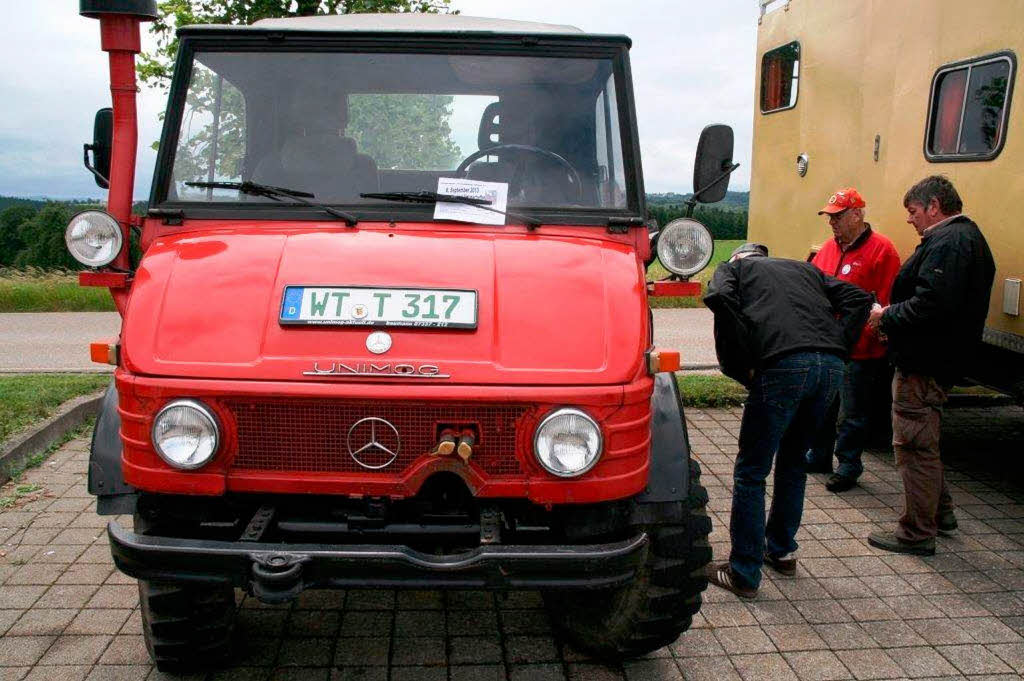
x,y
657,271
29,398
710,390
35,290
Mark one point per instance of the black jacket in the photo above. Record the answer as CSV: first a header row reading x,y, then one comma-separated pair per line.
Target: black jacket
x,y
939,302
769,307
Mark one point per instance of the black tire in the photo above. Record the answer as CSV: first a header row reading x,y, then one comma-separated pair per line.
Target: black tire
x,y
186,626
656,608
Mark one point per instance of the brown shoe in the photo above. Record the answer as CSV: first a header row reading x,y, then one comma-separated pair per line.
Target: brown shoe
x,y
946,523
888,541
722,575
784,565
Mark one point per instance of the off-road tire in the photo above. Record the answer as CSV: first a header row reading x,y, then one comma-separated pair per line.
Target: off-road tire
x,y
659,605
186,626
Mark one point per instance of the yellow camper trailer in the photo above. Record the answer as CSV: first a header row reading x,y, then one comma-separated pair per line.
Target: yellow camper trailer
x,y
878,94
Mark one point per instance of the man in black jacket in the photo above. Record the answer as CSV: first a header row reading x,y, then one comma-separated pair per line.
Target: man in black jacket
x,y
783,329
934,323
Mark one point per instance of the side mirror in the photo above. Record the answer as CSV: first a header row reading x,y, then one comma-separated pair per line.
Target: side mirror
x,y
713,164
102,132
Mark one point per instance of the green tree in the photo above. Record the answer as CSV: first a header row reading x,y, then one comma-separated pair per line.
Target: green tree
x,y
156,69
43,239
11,220
723,224
405,131
415,134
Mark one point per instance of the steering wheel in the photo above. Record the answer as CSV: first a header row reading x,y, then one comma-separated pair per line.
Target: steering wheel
x,y
573,175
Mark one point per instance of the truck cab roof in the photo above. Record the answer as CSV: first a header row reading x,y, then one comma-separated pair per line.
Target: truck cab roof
x,y
409,22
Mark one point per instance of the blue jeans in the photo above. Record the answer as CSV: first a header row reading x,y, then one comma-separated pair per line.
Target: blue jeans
x,y
853,409
787,403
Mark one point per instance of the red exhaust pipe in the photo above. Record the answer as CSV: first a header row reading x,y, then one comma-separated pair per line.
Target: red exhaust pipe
x,y
119,37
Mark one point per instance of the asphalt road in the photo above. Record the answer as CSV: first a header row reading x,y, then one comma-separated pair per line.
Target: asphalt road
x,y
59,341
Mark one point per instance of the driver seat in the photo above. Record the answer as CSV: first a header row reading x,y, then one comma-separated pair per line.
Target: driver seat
x,y
490,135
315,156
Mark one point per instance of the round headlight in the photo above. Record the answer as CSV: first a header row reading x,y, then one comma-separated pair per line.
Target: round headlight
x,y
185,434
93,237
568,443
685,247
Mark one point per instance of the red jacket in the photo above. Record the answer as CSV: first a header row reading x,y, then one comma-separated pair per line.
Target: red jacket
x,y
871,262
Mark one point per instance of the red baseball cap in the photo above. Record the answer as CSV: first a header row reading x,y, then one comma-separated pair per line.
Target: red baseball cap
x,y
841,200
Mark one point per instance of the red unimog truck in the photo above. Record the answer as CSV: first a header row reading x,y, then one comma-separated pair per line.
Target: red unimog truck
x,y
390,327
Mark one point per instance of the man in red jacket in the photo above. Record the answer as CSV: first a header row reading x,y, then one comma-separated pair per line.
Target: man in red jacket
x,y
863,257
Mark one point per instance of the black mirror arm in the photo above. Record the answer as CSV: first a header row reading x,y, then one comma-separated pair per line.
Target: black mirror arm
x,y
692,201
103,182
732,167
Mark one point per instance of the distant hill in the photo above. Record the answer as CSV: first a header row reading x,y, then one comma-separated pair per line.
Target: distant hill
x,y
37,203
7,201
732,200
138,207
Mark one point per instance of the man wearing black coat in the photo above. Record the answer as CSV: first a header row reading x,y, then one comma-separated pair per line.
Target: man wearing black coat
x,y
934,323
783,329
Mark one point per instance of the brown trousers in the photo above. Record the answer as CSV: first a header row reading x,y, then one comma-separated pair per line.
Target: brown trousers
x,y
916,423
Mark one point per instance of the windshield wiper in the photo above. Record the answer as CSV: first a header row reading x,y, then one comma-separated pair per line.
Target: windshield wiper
x,y
276,193
434,197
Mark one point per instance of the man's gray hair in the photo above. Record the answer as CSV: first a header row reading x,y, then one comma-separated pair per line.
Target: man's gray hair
x,y
936,187
748,249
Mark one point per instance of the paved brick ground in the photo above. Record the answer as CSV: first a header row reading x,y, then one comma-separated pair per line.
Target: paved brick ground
x,y
851,612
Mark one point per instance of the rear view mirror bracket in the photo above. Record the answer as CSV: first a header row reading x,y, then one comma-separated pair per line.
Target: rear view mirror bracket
x,y
100,180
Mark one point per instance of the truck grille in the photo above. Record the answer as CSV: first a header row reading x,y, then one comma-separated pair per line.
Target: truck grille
x,y
310,435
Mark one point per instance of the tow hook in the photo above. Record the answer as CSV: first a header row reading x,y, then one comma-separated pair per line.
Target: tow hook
x,y
276,577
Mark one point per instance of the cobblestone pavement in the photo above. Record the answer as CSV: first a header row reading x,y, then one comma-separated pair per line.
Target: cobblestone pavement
x,y
851,611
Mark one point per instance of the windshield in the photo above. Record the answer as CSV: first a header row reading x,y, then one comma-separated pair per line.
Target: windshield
x,y
337,124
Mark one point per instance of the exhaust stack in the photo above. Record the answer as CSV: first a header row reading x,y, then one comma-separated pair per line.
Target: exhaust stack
x,y
120,38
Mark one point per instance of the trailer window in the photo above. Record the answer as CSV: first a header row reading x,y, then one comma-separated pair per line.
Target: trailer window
x,y
968,111
780,78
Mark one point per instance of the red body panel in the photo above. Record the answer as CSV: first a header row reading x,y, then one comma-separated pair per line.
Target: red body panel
x,y
562,320
565,308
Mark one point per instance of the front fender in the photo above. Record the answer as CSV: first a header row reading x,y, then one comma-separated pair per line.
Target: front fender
x,y
669,477
106,479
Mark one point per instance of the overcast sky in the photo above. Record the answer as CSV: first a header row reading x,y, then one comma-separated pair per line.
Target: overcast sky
x,y
693,64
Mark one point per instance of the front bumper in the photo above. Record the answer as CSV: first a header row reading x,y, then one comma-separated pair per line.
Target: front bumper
x,y
278,572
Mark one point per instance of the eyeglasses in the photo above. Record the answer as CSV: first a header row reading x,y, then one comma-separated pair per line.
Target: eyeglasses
x,y
837,216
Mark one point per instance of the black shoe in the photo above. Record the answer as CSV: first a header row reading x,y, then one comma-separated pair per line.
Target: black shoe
x,y
722,575
839,483
784,565
887,541
947,524
819,467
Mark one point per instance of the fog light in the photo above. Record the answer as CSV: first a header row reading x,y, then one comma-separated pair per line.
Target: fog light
x,y
185,434
93,238
685,247
568,443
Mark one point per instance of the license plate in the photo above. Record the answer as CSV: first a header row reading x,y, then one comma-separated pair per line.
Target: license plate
x,y
365,306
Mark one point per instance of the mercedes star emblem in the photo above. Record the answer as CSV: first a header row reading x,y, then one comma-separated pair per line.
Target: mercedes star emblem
x,y
380,443
378,342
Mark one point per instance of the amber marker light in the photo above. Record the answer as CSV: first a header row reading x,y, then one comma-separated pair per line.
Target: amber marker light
x,y
663,360
103,352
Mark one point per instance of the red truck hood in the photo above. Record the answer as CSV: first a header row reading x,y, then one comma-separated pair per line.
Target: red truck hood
x,y
556,310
